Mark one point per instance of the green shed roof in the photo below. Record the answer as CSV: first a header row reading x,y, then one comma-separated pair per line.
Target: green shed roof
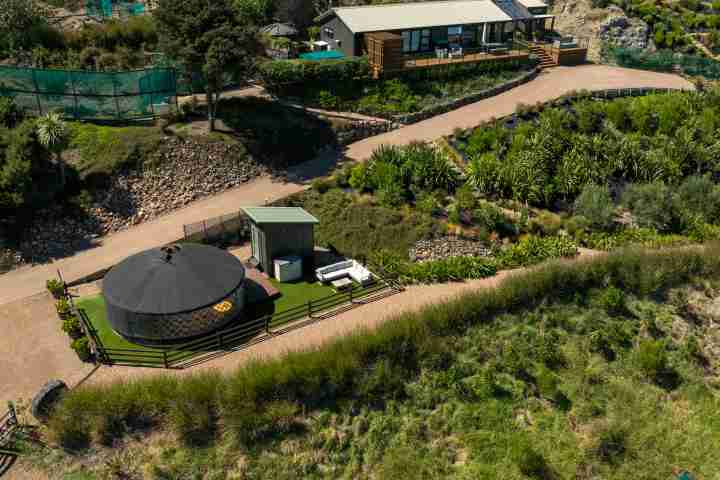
x,y
279,215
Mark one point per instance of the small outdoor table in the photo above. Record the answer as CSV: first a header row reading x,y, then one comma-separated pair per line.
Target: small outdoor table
x,y
341,283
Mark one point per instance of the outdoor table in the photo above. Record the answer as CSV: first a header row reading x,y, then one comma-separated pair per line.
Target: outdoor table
x,y
341,283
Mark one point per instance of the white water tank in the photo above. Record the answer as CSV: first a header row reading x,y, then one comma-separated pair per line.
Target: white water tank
x,y
288,269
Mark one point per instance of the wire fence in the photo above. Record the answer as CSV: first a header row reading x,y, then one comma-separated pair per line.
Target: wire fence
x,y
83,95
241,335
227,229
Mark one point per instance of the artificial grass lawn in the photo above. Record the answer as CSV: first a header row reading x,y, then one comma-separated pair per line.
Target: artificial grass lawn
x,y
291,295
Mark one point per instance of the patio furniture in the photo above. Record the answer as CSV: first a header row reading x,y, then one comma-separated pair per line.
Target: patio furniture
x,y
341,284
456,52
346,268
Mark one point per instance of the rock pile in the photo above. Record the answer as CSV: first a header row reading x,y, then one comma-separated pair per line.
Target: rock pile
x,y
446,247
624,32
182,171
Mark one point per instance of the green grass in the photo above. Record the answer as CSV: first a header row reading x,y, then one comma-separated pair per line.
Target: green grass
x,y
358,227
291,295
299,293
543,377
104,150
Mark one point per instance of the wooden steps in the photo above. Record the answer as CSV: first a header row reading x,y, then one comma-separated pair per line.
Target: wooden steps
x,y
546,60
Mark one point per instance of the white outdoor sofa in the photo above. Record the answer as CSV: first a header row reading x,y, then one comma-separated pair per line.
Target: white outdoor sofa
x,y
347,268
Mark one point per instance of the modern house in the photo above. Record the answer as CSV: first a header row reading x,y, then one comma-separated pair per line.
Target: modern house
x,y
411,35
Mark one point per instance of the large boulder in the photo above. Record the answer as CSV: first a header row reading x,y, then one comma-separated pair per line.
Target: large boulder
x,y
46,398
625,32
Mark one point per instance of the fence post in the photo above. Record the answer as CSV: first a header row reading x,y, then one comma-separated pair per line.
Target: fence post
x,y
13,413
267,324
309,304
165,360
218,336
350,293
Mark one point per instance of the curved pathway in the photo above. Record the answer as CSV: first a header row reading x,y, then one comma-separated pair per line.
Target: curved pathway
x,y
550,84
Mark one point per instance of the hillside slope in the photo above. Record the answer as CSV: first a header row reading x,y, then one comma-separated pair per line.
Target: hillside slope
x,y
578,18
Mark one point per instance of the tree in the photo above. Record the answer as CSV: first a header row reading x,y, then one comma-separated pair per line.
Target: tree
x,y
211,37
19,20
52,133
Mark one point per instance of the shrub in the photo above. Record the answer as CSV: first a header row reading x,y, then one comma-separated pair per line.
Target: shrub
x,y
532,250
279,73
612,444
530,461
63,307
55,287
547,223
360,178
699,196
491,218
577,225
322,185
71,326
10,113
651,358
652,205
465,198
595,204
612,300
82,348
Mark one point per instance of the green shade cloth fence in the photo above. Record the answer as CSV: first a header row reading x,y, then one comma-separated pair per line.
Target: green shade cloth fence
x,y
83,95
104,8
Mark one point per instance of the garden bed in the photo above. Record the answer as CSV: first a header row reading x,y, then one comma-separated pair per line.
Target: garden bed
x,y
418,95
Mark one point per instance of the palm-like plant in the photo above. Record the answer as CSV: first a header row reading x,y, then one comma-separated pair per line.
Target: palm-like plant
x,y
52,133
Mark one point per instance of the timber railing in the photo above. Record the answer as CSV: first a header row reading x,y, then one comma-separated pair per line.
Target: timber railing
x,y
242,335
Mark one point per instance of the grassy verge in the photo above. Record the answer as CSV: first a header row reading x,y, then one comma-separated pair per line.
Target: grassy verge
x,y
549,375
103,150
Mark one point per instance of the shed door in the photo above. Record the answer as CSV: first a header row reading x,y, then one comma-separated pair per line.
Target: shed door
x,y
255,243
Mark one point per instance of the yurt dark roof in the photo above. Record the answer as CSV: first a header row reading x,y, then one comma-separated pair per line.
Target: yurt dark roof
x,y
173,280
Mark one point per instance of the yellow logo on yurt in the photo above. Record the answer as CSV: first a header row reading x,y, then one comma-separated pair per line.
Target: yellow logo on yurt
x,y
223,307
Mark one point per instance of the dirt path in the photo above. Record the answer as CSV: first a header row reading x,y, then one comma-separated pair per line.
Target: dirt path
x,y
550,84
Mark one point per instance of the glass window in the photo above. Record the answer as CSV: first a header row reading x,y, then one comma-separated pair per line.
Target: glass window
x,y
406,41
415,41
425,40
454,35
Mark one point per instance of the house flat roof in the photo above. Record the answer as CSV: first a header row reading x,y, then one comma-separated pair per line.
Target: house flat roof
x,y
279,215
401,16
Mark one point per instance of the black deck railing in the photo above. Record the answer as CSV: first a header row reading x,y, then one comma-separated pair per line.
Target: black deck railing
x,y
240,336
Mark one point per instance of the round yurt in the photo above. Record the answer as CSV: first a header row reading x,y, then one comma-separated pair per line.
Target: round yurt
x,y
172,294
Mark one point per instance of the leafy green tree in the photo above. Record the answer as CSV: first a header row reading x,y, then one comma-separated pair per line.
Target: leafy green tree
x,y
27,177
52,133
211,37
19,21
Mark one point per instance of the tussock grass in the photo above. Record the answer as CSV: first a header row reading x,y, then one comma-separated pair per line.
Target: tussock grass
x,y
261,399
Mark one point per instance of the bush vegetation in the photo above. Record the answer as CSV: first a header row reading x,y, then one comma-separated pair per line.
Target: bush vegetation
x,y
411,92
638,170
498,383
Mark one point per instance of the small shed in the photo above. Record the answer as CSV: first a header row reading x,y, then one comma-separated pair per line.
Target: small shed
x,y
280,232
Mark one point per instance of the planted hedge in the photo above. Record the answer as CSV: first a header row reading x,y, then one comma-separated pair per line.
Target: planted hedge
x,y
257,399
282,73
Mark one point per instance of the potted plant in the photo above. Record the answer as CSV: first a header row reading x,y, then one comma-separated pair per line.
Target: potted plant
x,y
55,287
